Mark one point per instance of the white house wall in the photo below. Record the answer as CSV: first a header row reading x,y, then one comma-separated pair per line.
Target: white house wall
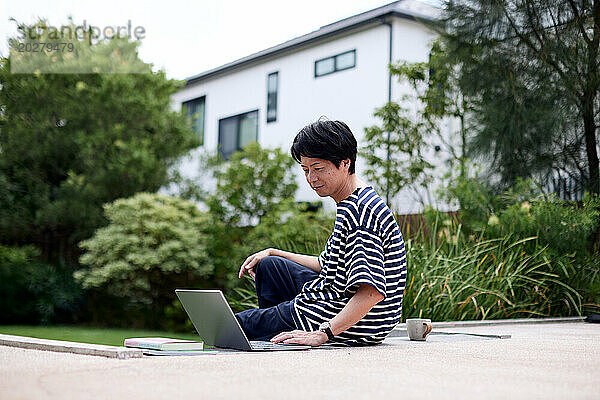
x,y
350,95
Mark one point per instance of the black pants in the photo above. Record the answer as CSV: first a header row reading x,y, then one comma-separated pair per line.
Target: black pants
x,y
278,280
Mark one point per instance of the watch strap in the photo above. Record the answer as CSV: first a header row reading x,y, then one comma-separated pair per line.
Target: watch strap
x,y
327,329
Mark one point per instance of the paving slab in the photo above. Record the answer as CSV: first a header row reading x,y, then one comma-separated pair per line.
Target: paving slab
x,y
124,353
539,361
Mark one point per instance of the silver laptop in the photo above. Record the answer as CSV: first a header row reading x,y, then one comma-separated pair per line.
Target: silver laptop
x,y
217,325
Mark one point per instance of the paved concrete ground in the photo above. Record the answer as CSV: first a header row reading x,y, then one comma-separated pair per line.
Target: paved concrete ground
x,y
545,361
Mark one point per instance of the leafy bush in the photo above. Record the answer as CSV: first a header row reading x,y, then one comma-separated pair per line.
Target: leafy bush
x,y
251,184
292,228
152,245
254,184
562,226
289,227
32,292
565,226
476,202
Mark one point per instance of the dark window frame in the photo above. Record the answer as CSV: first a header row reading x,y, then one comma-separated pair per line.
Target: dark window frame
x,y
184,108
239,119
335,62
275,94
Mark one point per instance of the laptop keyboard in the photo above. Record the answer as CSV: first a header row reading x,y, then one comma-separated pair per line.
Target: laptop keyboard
x,y
257,344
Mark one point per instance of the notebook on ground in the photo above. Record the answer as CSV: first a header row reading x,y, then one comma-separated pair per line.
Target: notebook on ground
x,y
217,326
160,343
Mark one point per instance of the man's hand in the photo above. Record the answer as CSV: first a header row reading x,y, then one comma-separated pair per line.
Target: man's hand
x,y
251,262
314,339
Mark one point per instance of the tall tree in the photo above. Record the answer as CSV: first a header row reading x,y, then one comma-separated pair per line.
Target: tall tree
x,y
531,69
70,143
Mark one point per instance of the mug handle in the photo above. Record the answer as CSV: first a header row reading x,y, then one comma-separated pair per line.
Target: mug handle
x,y
429,328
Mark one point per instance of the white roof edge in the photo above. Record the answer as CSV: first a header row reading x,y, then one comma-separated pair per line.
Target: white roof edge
x,y
404,8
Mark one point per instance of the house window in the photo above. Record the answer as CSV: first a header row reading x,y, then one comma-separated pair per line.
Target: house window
x,y
339,62
272,83
194,110
236,132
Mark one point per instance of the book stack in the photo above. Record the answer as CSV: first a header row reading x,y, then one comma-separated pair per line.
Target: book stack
x,y
159,346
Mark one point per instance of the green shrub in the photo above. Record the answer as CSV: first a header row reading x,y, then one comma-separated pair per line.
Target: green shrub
x,y
561,225
251,184
152,245
565,226
289,227
476,203
32,292
292,228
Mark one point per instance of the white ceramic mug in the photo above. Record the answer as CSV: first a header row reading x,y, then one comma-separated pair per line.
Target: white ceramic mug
x,y
418,328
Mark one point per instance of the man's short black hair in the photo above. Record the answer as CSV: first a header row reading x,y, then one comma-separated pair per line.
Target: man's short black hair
x,y
328,140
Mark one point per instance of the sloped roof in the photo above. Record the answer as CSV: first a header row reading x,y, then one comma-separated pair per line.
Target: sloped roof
x,y
409,9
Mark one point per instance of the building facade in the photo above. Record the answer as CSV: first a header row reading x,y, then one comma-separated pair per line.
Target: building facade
x,y
339,72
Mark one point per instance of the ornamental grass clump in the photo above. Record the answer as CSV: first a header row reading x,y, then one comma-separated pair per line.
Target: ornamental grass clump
x,y
451,277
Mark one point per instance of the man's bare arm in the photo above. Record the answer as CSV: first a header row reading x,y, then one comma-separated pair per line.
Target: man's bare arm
x,y
359,305
311,262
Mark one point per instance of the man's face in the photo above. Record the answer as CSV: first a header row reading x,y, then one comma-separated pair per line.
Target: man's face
x,y
323,176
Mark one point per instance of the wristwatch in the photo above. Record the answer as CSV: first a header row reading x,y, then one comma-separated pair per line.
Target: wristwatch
x,y
326,327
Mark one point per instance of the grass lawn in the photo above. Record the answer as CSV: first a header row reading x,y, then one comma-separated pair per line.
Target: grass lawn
x,y
108,336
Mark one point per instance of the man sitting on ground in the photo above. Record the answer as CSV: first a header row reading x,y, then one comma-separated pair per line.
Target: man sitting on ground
x,y
352,293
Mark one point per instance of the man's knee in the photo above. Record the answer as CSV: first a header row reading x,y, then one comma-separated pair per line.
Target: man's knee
x,y
267,266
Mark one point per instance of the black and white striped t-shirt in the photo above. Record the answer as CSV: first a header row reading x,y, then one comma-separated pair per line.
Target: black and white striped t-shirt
x,y
366,247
